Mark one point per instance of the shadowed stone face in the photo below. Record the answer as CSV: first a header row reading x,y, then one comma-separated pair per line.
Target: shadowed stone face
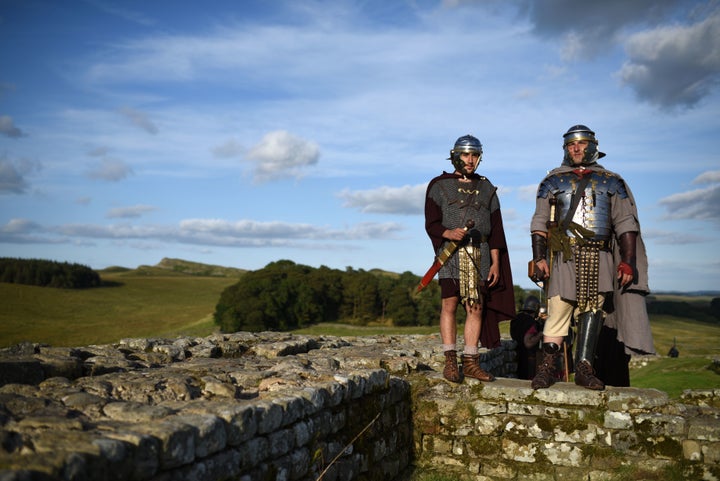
x,y
282,406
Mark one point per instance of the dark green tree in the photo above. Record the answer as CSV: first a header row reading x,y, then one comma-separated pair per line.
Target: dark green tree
x,y
401,308
285,296
281,296
239,308
361,302
715,307
44,273
327,287
386,283
428,305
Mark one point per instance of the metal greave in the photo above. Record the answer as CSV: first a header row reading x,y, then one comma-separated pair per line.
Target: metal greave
x,y
590,324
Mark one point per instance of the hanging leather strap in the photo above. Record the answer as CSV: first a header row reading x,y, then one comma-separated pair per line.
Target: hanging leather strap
x,y
574,201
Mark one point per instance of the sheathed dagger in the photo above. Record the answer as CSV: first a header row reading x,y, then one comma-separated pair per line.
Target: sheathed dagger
x,y
441,258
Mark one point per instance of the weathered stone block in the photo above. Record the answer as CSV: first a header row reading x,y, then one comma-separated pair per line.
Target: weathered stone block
x,y
563,454
177,442
618,420
210,432
20,371
704,428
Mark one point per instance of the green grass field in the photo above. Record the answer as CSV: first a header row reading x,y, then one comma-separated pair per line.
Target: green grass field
x,y
160,303
139,306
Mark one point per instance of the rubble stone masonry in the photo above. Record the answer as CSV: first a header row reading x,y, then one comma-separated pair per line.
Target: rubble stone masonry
x,y
284,407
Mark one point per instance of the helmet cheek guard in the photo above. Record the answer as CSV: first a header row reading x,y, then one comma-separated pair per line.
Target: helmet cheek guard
x,y
581,132
466,143
590,157
457,162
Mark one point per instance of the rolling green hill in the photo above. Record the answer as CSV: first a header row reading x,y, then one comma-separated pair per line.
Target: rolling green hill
x,y
158,301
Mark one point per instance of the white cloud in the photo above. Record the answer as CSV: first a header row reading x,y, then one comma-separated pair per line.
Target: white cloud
x,y
699,204
13,173
281,154
129,212
406,200
19,226
675,65
110,170
709,177
669,65
527,192
206,232
674,237
589,30
98,151
8,128
11,181
23,231
140,119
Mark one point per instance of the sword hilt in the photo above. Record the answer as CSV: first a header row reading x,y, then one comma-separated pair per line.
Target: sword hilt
x,y
441,258
552,221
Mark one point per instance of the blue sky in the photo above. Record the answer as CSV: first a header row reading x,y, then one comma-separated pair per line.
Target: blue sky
x,y
241,133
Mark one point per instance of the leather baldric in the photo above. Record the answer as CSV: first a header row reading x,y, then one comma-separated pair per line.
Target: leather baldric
x,y
574,202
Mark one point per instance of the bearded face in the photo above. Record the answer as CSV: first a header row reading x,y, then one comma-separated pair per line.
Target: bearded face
x,y
466,162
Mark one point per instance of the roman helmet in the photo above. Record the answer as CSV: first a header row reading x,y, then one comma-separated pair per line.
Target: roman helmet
x,y
581,132
466,143
531,305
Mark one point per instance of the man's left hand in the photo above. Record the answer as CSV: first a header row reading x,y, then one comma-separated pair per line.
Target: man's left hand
x,y
493,275
625,274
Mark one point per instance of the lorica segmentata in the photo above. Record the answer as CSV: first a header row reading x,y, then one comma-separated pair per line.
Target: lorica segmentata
x,y
593,210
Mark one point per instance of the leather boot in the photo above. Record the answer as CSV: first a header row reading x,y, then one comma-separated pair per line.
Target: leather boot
x,y
589,326
471,368
451,371
545,376
585,377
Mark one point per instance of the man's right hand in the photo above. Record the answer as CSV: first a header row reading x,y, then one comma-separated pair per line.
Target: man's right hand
x,y
543,267
456,234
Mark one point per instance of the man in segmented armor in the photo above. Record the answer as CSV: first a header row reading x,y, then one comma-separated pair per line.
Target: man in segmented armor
x,y
463,220
586,243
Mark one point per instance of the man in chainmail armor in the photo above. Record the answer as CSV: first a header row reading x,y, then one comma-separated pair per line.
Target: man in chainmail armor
x,y
586,244
464,223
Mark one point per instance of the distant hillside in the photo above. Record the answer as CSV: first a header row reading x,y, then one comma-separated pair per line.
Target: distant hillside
x,y
688,293
198,269
179,267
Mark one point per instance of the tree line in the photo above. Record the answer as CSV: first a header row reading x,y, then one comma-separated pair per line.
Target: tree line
x,y
284,296
697,311
45,273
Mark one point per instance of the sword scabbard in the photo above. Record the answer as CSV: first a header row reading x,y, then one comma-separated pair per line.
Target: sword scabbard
x,y
448,250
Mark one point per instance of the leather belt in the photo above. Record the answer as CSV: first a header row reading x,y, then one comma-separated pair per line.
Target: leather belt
x,y
601,244
476,241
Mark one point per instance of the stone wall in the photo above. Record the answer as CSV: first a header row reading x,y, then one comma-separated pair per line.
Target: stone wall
x,y
276,406
506,431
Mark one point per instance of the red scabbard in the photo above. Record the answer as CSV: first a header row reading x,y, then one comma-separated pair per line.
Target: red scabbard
x,y
441,259
429,275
